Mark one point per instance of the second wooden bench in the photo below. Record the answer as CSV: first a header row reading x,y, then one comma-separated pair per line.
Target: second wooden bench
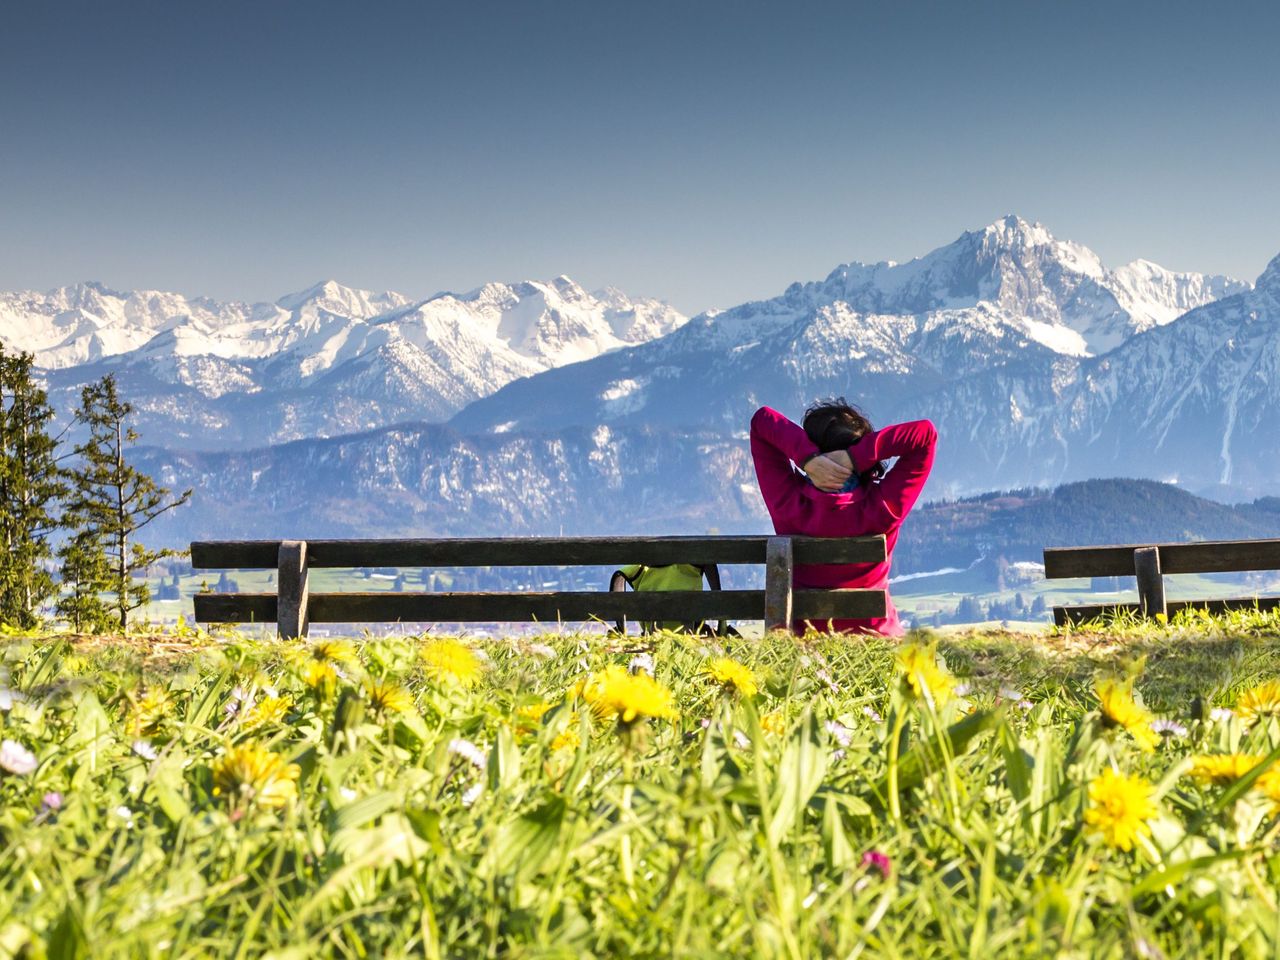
x,y
1149,562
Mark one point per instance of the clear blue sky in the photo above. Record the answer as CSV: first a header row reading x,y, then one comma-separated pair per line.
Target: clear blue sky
x,y
703,152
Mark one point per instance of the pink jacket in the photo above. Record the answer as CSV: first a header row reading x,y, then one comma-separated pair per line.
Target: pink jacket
x,y
798,507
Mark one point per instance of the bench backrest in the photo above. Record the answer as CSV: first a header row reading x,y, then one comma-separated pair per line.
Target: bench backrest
x,y
293,606
1149,562
1207,556
533,551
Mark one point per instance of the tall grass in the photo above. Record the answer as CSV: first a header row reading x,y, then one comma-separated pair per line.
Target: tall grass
x,y
835,812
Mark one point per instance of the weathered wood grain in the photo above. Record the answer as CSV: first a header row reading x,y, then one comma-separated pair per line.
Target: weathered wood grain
x,y
1146,568
1208,556
234,607
292,589
779,580
1079,614
386,607
819,606
533,551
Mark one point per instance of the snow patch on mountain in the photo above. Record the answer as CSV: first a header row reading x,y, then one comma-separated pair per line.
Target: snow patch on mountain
x,y
325,360
1009,294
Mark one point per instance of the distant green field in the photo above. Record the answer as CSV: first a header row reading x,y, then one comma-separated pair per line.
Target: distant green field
x,y
927,595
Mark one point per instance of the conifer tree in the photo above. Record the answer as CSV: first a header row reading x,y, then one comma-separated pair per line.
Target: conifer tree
x,y
31,484
86,575
112,501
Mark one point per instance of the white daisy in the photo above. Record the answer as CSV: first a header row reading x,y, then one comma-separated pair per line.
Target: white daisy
x,y
17,759
238,701
9,697
468,751
842,734
1168,728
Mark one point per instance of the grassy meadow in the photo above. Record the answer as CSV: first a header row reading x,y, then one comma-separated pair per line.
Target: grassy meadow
x,y
1102,792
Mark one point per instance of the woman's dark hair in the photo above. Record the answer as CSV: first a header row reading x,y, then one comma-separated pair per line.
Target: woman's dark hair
x,y
836,424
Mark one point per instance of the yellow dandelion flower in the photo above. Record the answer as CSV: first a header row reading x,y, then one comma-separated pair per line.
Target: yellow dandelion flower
x,y
1119,808
387,697
1259,702
732,675
577,691
333,651
1269,784
923,674
774,722
568,738
450,661
320,676
1119,709
528,718
1223,769
628,696
252,775
148,713
267,710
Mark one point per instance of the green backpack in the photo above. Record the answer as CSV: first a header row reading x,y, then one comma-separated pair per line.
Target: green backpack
x,y
674,576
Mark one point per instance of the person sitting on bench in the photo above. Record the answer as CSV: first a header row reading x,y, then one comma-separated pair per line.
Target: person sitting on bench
x,y
842,489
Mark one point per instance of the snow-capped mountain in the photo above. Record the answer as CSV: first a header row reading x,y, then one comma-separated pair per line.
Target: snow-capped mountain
x,y
1038,363
1196,401
886,334
330,359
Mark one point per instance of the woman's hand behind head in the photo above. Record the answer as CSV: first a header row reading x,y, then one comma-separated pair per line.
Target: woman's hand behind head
x,y
826,473
842,458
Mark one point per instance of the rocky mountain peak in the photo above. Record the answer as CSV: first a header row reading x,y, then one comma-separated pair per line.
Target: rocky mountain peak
x,y
1269,279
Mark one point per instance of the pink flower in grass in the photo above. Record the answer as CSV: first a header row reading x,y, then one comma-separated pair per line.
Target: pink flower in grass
x,y
875,860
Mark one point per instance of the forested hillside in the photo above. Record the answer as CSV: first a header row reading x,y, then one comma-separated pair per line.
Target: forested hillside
x,y
1019,524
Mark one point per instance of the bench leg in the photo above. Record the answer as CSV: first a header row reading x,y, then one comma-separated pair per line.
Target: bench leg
x,y
1146,566
778,579
292,590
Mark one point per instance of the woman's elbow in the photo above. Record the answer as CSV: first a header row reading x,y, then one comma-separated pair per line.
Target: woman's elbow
x,y
761,416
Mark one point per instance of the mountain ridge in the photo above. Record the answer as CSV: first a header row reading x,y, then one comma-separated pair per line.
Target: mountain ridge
x,y
239,374
1166,403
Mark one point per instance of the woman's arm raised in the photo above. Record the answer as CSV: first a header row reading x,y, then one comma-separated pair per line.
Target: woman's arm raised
x,y
913,443
776,443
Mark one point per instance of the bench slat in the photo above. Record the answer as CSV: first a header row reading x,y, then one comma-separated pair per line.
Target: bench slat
x,y
1079,614
545,607
532,551
1208,556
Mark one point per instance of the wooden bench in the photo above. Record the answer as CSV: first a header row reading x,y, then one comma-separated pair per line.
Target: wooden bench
x,y
293,608
1149,562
